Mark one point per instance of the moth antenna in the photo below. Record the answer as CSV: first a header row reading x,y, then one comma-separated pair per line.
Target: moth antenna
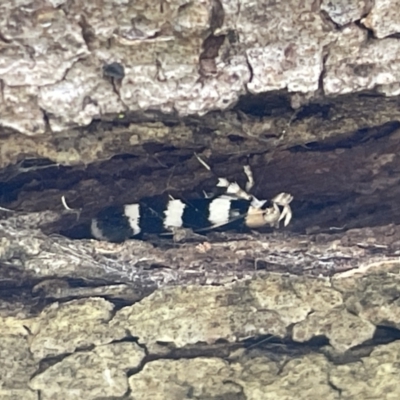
x,y
250,178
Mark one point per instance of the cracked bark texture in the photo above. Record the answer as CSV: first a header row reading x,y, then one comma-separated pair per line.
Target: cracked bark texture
x,y
306,92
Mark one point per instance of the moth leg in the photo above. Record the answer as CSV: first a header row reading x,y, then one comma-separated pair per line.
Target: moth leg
x,y
203,247
232,188
206,195
283,200
250,178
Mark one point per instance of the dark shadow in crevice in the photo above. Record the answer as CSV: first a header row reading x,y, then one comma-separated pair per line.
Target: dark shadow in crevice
x,y
284,346
357,138
264,104
385,334
168,351
317,110
31,177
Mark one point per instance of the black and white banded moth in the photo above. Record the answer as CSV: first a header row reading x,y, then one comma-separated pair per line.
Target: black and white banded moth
x,y
234,209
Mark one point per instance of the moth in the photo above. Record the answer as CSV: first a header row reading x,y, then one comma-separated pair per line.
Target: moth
x,y
235,208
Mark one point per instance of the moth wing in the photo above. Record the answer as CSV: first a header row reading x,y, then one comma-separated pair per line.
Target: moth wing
x,y
216,226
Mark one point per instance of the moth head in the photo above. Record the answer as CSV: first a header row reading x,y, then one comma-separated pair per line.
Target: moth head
x,y
260,215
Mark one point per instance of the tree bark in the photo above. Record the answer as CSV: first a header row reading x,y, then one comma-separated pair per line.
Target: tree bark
x,y
106,103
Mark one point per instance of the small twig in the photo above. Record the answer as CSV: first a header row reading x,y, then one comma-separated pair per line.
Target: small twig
x,y
374,245
168,187
293,117
267,339
68,208
202,162
6,209
337,228
159,162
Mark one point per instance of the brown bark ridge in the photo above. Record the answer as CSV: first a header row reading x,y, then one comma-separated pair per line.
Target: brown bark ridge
x,y
106,102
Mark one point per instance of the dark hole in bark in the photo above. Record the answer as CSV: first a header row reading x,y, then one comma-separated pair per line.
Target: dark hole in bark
x,y
321,110
125,179
262,105
338,184
236,138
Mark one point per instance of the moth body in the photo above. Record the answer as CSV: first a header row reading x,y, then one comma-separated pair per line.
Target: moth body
x,y
234,209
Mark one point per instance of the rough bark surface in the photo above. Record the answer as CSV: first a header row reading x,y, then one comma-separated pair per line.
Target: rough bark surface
x,y
106,102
